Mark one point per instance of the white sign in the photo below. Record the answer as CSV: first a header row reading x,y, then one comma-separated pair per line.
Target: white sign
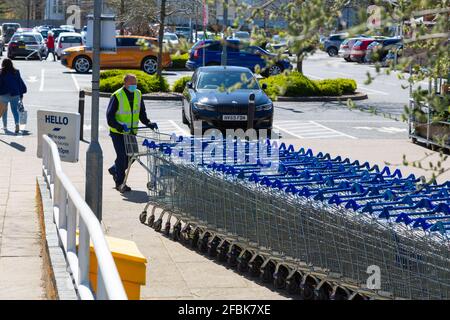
x,y
64,129
107,33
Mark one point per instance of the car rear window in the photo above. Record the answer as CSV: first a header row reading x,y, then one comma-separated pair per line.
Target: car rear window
x,y
25,38
71,39
227,80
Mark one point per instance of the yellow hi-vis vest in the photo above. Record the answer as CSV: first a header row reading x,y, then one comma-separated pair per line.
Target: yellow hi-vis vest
x,y
126,115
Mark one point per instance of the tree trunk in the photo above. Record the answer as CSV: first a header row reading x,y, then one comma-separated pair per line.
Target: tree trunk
x,y
161,36
300,63
122,15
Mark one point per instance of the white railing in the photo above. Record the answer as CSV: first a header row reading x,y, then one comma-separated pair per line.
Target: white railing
x,y
67,206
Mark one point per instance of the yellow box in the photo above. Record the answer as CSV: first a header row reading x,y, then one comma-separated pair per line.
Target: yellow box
x,y
130,262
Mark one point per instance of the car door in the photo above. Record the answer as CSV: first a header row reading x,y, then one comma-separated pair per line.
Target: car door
x,y
114,60
187,98
234,57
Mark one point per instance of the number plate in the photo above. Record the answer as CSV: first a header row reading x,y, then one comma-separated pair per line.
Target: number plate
x,y
234,117
22,47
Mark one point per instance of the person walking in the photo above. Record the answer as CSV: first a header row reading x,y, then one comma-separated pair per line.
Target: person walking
x,y
126,108
51,45
12,89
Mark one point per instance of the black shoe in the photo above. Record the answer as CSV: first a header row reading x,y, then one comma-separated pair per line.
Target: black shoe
x,y
113,173
123,189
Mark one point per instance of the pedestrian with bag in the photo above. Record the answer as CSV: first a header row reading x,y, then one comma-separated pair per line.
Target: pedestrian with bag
x,y
126,108
51,45
12,89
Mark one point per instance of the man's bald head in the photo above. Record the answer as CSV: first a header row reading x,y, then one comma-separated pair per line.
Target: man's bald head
x,y
129,79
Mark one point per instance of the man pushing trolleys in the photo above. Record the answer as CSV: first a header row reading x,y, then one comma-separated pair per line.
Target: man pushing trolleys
x,y
126,108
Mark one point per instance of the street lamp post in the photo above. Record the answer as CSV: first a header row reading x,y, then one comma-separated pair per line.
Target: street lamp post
x,y
225,24
94,155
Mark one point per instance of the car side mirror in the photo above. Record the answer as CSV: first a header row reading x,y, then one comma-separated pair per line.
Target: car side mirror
x,y
190,85
264,86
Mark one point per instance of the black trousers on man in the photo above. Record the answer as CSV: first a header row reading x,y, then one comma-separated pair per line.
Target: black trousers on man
x,y
121,164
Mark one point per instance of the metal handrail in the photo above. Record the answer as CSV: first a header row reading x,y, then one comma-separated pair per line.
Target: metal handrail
x,y
67,206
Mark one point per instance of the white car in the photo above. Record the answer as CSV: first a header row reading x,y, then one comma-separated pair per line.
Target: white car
x,y
67,40
68,27
171,38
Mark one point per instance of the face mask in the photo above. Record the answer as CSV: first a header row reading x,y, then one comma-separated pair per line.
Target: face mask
x,y
132,88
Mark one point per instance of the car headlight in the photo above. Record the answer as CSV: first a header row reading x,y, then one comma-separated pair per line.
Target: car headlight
x,y
264,107
204,106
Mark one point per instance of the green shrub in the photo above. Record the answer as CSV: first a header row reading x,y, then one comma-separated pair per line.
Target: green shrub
x,y
112,80
296,84
328,87
180,84
179,60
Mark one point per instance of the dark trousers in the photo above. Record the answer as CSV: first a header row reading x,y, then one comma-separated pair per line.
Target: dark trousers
x,y
121,163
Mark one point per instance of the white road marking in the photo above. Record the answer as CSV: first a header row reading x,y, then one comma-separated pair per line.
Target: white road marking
x,y
32,79
41,88
308,130
372,90
390,130
338,132
77,86
180,129
312,76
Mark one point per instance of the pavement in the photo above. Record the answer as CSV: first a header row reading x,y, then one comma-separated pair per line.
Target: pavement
x,y
174,271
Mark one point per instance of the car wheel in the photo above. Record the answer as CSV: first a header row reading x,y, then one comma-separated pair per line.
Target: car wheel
x,y
82,64
275,69
332,52
347,59
185,120
149,65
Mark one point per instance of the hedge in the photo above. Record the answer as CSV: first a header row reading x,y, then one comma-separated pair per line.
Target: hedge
x,y
179,61
296,84
180,84
112,80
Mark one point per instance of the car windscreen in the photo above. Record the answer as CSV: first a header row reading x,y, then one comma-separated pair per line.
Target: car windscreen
x,y
71,39
226,80
24,38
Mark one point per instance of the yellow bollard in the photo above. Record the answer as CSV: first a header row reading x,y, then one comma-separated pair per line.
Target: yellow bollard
x,y
130,262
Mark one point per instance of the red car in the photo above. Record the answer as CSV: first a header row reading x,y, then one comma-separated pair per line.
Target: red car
x,y
359,49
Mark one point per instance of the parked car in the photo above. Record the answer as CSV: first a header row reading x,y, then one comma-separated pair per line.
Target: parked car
x,y
183,32
210,98
130,55
238,54
26,44
377,50
57,31
171,38
346,47
277,44
394,53
68,27
8,30
333,42
201,35
241,35
84,34
359,49
67,40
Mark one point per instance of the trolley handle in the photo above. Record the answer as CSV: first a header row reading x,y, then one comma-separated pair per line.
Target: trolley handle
x,y
128,129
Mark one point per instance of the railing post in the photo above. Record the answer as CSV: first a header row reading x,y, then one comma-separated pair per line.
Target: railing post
x,y
81,103
71,226
61,202
83,254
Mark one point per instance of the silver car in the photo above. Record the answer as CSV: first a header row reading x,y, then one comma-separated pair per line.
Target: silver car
x,y
333,43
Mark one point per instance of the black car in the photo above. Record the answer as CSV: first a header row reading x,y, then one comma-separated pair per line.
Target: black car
x,y
219,97
27,44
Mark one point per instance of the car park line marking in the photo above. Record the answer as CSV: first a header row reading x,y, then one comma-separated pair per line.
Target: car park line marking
x,y
77,86
180,129
41,88
338,132
374,91
287,131
311,76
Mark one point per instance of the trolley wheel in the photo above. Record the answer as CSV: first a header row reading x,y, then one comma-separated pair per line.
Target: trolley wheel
x,y
340,294
267,273
307,290
202,244
222,252
242,265
185,232
212,247
195,238
321,294
279,280
143,217
151,220
233,255
255,267
176,233
157,225
293,286
167,228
